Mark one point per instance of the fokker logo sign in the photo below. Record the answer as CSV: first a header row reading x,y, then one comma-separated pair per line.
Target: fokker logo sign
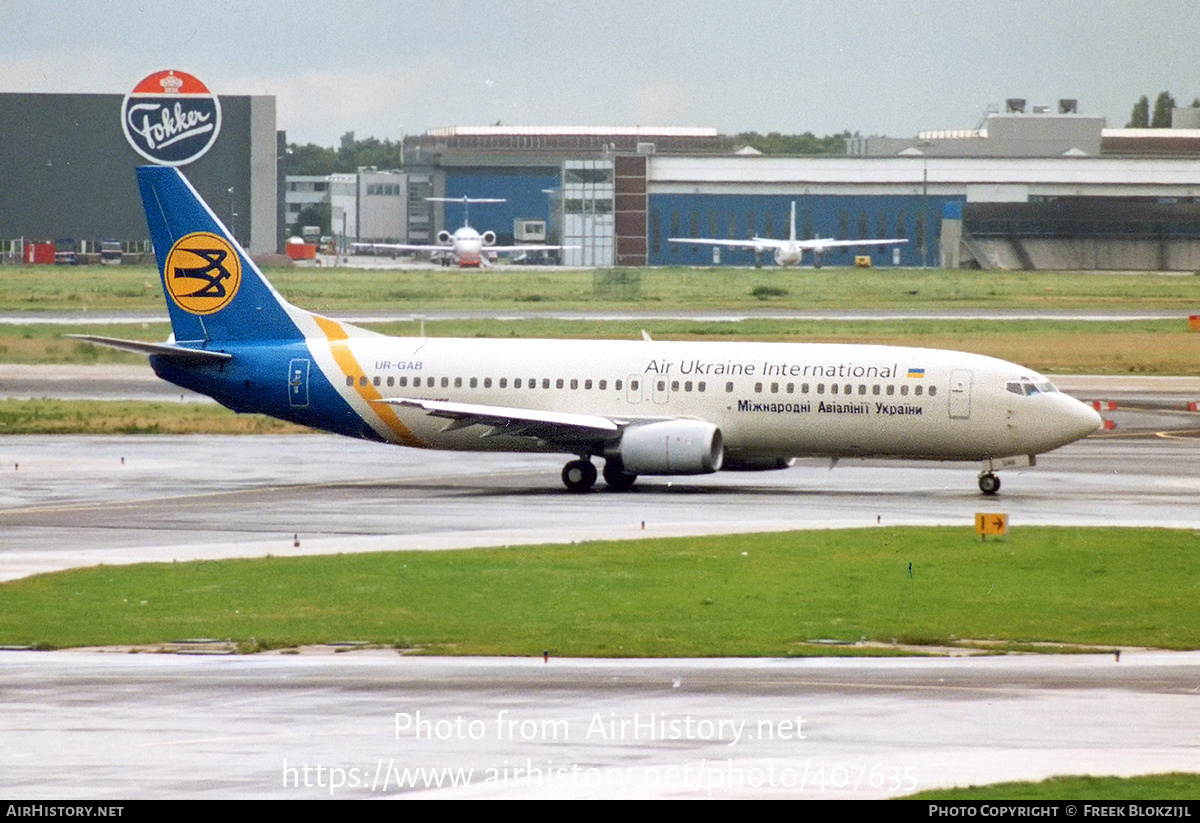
x,y
171,118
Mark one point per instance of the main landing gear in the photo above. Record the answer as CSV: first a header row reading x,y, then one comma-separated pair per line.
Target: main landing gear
x,y
616,477
580,475
989,483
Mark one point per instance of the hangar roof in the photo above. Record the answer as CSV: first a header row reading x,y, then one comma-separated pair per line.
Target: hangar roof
x,y
1069,176
469,145
602,131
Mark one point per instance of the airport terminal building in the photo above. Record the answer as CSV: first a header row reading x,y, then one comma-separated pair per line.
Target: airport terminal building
x,y
1025,191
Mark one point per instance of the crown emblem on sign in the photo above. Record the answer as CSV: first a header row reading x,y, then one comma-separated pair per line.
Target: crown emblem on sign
x,y
170,84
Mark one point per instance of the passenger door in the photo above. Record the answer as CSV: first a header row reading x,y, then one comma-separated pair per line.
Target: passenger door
x,y
960,394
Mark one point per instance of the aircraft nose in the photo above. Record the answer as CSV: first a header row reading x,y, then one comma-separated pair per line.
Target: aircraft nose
x,y
1078,420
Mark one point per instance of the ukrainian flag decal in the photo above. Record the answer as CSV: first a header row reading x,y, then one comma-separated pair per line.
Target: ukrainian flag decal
x,y
918,373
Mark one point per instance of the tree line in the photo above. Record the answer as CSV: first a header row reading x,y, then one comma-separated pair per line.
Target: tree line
x,y
350,155
807,143
353,153
1160,118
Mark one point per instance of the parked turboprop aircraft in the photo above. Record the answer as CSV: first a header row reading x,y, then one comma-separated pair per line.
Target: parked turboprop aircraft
x,y
787,252
468,247
643,407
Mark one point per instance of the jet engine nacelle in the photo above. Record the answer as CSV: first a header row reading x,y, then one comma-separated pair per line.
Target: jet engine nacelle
x,y
445,238
672,447
488,238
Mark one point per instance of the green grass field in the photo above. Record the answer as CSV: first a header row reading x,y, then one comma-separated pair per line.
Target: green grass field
x,y
1141,347
132,288
1165,787
1065,347
744,595
132,417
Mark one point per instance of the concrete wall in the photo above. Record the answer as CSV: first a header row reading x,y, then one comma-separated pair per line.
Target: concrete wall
x,y
264,203
1092,254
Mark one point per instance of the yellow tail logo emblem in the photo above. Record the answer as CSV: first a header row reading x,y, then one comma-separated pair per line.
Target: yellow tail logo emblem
x,y
202,272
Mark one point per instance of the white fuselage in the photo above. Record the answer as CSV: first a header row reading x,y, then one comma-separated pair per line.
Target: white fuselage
x,y
768,399
789,254
467,245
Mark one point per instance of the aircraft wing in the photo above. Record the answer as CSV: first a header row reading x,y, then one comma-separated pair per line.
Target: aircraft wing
x,y
829,244
754,243
511,249
558,428
401,247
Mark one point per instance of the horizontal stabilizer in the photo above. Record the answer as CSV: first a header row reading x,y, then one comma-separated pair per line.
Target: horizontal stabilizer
x,y
466,199
169,350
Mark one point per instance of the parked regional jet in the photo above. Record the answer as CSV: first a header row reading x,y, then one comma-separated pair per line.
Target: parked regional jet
x,y
643,407
787,252
466,246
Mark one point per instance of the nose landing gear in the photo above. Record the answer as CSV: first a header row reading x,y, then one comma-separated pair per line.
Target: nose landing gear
x,y
989,483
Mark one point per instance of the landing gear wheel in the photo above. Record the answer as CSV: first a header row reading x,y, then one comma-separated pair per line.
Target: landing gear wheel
x,y
615,476
579,476
989,483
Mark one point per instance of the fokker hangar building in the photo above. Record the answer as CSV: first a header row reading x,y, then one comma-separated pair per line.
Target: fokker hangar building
x,y
67,171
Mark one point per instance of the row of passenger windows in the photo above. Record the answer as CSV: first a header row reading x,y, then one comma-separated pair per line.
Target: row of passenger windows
x,y
875,389
574,384
503,383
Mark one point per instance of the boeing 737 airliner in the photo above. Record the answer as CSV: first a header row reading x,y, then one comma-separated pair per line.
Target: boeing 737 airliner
x,y
640,406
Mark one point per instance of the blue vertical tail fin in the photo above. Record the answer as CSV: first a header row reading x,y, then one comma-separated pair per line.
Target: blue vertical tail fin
x,y
215,294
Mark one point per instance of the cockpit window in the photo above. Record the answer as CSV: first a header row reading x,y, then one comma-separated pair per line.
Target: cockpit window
x,y
1028,388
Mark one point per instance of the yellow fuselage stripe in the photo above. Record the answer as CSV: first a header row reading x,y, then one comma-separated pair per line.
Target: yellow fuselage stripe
x,y
350,368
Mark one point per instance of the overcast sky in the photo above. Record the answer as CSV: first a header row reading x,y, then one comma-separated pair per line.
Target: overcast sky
x,y
384,69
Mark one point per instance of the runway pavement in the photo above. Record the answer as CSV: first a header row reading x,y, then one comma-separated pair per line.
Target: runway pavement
x,y
377,724
70,500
